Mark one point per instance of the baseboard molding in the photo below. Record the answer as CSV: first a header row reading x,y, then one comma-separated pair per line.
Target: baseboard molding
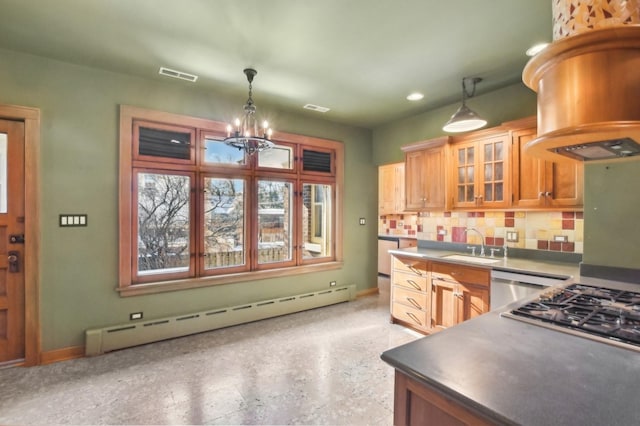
x,y
63,354
367,292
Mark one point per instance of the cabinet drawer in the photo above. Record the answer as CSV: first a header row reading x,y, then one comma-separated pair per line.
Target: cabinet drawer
x,y
410,298
410,280
407,264
409,315
462,274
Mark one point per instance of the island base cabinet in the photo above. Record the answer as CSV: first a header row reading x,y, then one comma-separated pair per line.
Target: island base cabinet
x,y
417,404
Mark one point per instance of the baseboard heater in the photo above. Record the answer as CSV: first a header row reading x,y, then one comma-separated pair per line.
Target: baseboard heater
x,y
101,340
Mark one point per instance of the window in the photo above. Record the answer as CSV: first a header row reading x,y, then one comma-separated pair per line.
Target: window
x,y
195,211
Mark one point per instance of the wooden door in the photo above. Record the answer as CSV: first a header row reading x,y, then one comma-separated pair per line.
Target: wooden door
x,y
472,301
434,184
465,178
493,187
443,305
415,175
12,282
565,185
528,172
386,189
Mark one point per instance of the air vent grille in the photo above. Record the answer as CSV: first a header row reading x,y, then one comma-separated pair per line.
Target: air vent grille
x,y
178,74
317,108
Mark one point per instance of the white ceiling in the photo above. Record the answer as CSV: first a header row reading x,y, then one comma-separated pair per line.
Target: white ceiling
x,y
360,58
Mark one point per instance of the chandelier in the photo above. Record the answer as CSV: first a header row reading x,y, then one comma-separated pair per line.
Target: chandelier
x,y
464,118
245,134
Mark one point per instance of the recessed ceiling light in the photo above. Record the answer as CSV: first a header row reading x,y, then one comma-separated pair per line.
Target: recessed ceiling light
x,y
535,49
415,96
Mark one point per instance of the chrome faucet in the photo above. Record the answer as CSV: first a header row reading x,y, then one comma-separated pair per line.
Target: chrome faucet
x,y
481,236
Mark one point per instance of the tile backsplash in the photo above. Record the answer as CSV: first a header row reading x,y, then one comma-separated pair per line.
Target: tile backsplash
x,y
555,231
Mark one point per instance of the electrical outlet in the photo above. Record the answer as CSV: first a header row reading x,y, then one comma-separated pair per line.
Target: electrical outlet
x,y
561,238
363,221
442,232
512,236
135,316
400,224
332,283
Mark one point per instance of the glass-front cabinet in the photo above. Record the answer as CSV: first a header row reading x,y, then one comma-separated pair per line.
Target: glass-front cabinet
x,y
481,170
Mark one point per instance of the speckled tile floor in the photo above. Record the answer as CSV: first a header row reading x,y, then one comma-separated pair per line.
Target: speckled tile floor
x,y
316,367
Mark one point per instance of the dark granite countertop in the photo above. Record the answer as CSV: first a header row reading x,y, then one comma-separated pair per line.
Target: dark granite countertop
x,y
564,270
521,373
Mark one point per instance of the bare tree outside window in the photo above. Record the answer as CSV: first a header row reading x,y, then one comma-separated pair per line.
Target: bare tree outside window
x,y
163,223
274,221
224,224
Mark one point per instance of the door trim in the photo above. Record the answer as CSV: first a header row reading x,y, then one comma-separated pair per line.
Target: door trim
x,y
31,119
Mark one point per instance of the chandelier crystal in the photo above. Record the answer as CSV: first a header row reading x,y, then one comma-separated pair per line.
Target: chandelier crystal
x,y
245,133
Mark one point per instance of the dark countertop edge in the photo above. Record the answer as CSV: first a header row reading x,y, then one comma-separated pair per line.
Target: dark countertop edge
x,y
445,390
396,237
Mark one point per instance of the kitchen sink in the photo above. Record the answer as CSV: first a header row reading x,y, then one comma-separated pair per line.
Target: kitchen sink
x,y
471,259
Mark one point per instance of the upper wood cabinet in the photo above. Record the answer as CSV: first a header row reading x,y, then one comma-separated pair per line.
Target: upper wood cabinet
x,y
391,188
538,183
481,170
425,175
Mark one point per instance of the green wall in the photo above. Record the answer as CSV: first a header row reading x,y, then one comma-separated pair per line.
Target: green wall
x,y
510,103
79,161
611,206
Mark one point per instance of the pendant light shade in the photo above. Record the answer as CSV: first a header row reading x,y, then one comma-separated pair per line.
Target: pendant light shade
x,y
464,118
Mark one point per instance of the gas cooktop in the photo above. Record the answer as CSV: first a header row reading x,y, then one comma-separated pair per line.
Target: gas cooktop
x,y
598,313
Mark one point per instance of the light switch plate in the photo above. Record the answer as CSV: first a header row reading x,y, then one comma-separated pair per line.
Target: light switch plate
x,y
69,219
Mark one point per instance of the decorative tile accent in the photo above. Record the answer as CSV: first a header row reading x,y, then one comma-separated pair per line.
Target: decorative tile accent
x,y
571,17
535,229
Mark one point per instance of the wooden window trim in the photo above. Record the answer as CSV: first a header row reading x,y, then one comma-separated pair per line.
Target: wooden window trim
x,y
129,114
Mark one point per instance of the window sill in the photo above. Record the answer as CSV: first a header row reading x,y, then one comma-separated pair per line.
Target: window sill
x,y
165,286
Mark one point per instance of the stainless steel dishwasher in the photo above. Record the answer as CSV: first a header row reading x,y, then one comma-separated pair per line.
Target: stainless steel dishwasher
x,y
507,287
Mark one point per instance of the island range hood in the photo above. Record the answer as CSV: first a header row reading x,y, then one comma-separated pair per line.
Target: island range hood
x,y
600,150
588,87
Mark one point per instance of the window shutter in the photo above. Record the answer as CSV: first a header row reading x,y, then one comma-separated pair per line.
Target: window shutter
x,y
164,143
315,161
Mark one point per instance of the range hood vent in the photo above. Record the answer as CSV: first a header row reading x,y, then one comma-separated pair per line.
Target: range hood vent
x,y
601,150
588,88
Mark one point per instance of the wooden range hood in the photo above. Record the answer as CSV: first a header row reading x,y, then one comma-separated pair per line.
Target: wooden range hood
x,y
588,89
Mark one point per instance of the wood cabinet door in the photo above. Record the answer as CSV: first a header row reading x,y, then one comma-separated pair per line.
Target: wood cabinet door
x,y
415,175
443,305
386,189
494,180
528,172
565,184
481,168
434,185
472,301
544,184
465,176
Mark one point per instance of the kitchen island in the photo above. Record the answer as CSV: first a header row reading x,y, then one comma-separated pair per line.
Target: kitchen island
x,y
503,371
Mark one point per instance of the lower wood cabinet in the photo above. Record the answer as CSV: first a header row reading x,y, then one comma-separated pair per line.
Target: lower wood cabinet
x,y
431,296
458,293
410,303
418,404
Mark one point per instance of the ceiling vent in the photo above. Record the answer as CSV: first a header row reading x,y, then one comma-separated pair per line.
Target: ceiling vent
x,y
317,108
178,74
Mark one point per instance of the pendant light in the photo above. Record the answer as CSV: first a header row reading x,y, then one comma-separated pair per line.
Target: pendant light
x,y
464,118
245,134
